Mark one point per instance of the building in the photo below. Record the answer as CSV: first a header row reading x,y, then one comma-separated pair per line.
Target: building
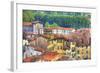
x,y
35,27
27,27
59,30
83,52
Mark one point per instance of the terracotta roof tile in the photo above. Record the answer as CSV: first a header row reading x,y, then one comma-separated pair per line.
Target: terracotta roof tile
x,y
27,23
60,28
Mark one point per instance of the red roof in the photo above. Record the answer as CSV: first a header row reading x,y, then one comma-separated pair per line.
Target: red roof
x,y
60,28
48,56
68,28
27,23
28,59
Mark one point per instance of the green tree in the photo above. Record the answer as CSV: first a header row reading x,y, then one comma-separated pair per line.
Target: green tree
x,y
54,25
28,16
47,24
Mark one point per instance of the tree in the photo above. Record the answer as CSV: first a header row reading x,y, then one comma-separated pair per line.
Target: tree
x,y
47,24
54,25
50,25
54,18
28,16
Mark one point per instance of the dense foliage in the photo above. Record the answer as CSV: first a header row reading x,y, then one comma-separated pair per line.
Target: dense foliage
x,y
57,18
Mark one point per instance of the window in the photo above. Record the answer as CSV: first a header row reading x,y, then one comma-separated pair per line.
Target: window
x,y
73,49
77,51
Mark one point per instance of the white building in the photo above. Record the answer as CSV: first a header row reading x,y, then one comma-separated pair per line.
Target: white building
x,y
37,27
34,27
61,30
29,51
